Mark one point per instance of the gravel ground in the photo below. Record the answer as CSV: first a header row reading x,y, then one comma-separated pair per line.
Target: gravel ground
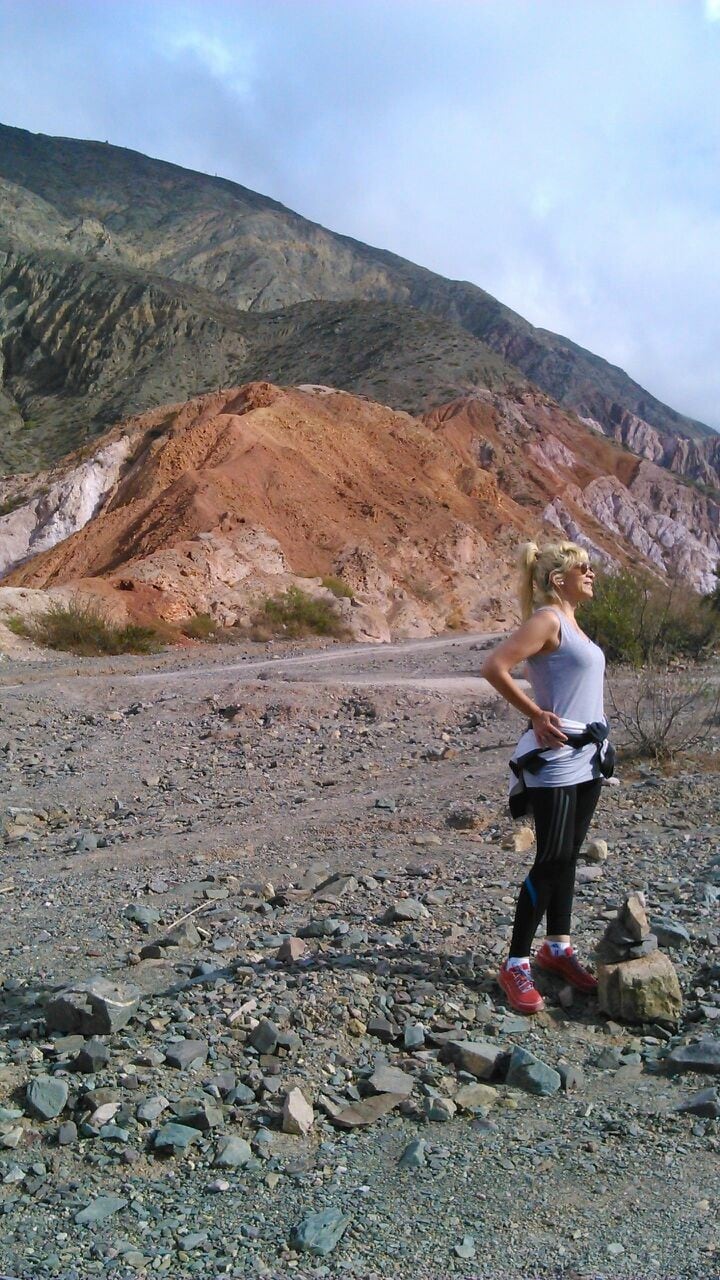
x,y
234,784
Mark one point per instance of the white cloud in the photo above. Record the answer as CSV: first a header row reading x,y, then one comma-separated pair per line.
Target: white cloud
x,y
210,50
550,153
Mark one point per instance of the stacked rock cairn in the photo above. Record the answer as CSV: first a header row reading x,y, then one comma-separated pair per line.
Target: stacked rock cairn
x,y
636,981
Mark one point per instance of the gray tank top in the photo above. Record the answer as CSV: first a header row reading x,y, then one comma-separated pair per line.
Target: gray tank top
x,y
568,681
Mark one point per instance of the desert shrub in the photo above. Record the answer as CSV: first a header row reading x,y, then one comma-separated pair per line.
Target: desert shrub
x,y
11,504
637,619
662,712
455,620
82,627
338,587
200,627
294,613
424,590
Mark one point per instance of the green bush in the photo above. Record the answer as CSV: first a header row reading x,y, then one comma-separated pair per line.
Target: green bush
x,y
636,619
338,587
294,614
81,627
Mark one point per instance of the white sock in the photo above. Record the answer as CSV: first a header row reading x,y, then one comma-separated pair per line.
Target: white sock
x,y
518,962
560,948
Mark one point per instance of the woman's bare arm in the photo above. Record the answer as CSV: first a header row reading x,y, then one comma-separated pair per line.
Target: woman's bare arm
x,y
540,630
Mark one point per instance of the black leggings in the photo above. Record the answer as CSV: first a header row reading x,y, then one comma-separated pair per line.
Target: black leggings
x,y
562,818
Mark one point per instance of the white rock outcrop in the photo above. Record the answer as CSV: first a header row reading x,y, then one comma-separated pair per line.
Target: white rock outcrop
x,y
68,504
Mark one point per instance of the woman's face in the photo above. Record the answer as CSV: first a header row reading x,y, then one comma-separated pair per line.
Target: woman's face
x,y
579,582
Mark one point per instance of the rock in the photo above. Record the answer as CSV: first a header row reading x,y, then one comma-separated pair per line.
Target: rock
x,y
233,1153
594,851
46,1097
67,1133
99,1210
405,909
319,1233
642,949
705,1103
298,1115
292,950
368,1111
523,839
383,1028
264,1037
93,1055
150,1110
572,1076
439,1110
670,933
645,990
12,1137
466,1249
701,1055
143,915
478,1057
187,1054
95,1007
587,875
471,1097
205,1115
334,888
413,1036
413,1157
182,935
387,1079
175,1137
634,916
463,819
531,1074
101,1115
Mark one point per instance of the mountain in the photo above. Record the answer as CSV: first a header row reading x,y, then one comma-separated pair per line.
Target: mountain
x,y
126,282
214,505
86,346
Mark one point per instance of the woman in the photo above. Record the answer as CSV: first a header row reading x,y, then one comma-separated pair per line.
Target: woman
x,y
558,762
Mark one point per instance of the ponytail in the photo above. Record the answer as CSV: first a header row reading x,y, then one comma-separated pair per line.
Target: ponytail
x,y
537,569
527,559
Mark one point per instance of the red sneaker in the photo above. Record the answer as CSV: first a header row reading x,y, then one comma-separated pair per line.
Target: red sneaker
x,y
520,989
566,966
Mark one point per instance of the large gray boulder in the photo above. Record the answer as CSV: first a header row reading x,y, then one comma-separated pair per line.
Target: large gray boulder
x,y
96,1007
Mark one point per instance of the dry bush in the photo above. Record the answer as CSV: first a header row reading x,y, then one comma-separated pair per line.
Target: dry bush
x,y
201,627
82,627
664,711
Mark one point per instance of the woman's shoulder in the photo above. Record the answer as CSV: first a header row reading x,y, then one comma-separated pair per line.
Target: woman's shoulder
x,y
549,618
546,627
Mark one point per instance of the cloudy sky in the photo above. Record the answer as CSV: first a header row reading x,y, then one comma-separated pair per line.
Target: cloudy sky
x,y
563,154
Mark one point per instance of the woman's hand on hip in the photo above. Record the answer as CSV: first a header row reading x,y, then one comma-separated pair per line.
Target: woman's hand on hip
x,y
547,729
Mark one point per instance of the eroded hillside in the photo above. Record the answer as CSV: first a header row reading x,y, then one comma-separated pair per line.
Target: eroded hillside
x,y
211,506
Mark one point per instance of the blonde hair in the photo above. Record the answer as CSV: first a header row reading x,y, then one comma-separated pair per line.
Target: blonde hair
x,y
537,567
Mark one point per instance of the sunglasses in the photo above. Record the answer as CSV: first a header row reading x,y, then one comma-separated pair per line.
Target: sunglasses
x,y
585,568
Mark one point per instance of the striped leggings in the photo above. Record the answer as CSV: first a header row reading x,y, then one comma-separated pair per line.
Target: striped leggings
x,y
562,818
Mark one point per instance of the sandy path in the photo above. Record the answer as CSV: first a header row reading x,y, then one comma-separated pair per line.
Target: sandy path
x,y
385,664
